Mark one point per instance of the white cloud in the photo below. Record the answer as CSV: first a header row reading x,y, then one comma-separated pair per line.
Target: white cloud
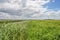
x,y
26,9
7,6
36,5
17,4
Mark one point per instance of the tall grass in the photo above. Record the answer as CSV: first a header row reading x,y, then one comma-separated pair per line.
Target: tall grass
x,y
43,30
12,31
30,30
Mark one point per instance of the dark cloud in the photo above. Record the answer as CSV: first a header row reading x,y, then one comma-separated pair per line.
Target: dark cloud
x,y
3,1
23,3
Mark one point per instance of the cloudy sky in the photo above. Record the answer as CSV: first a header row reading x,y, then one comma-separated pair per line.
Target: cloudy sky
x,y
29,9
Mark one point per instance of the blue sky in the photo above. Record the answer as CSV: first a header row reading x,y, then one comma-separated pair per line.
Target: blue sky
x,y
55,5
29,9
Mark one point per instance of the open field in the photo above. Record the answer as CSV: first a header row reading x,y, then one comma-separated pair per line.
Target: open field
x,y
30,30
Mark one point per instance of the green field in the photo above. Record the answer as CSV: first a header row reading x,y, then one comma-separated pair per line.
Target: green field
x,y
30,30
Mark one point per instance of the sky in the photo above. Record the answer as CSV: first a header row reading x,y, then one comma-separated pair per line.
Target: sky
x,y
29,9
